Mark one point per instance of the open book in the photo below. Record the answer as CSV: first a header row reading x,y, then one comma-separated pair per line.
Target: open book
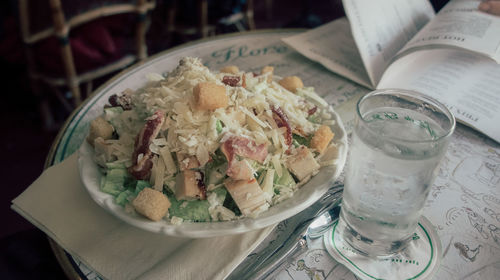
x,y
452,56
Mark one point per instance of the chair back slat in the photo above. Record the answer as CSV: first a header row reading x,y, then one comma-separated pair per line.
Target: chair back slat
x,y
43,19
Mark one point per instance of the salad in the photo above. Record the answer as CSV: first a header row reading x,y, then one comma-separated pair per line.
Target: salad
x,y
203,146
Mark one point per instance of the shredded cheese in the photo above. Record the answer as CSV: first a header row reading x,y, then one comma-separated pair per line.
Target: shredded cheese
x,y
159,171
166,156
253,117
267,184
277,165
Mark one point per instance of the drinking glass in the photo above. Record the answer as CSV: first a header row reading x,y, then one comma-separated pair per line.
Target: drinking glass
x,y
398,141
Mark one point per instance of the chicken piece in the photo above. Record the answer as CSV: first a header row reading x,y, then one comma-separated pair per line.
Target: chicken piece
x,y
291,83
230,69
240,170
209,96
186,186
240,117
302,163
99,127
322,138
152,204
248,195
187,183
186,162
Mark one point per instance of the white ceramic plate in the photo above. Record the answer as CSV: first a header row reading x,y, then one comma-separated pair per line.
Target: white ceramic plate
x,y
301,199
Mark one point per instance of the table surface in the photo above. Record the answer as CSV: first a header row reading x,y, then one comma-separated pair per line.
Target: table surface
x,y
463,204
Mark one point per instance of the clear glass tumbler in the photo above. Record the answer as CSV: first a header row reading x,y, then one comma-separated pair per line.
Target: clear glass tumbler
x,y
398,141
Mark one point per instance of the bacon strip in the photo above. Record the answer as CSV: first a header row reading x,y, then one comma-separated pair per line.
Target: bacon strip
x,y
237,145
244,147
312,110
231,80
123,100
281,120
142,167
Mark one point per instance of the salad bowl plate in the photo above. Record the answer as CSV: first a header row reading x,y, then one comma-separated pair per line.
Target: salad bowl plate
x,y
302,198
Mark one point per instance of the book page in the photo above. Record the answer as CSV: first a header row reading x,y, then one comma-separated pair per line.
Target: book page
x,y
332,46
466,82
460,24
381,29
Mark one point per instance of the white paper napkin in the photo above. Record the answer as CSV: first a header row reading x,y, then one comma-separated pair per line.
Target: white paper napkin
x,y
58,204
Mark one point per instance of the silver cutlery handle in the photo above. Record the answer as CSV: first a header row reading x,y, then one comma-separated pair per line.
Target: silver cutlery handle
x,y
287,243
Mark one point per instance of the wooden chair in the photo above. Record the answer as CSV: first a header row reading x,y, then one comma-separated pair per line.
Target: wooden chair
x,y
201,27
41,20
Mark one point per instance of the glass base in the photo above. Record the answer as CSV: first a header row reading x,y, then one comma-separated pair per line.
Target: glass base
x,y
366,246
420,259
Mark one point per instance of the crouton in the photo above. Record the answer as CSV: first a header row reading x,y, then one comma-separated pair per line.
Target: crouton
x,y
291,83
209,96
151,204
270,70
99,127
302,163
248,195
322,138
230,69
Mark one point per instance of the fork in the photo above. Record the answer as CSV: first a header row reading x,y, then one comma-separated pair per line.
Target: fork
x,y
310,223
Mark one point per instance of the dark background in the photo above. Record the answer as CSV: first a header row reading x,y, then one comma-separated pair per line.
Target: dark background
x,y
24,142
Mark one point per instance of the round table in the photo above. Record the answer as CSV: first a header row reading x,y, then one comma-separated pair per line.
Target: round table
x,y
464,203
